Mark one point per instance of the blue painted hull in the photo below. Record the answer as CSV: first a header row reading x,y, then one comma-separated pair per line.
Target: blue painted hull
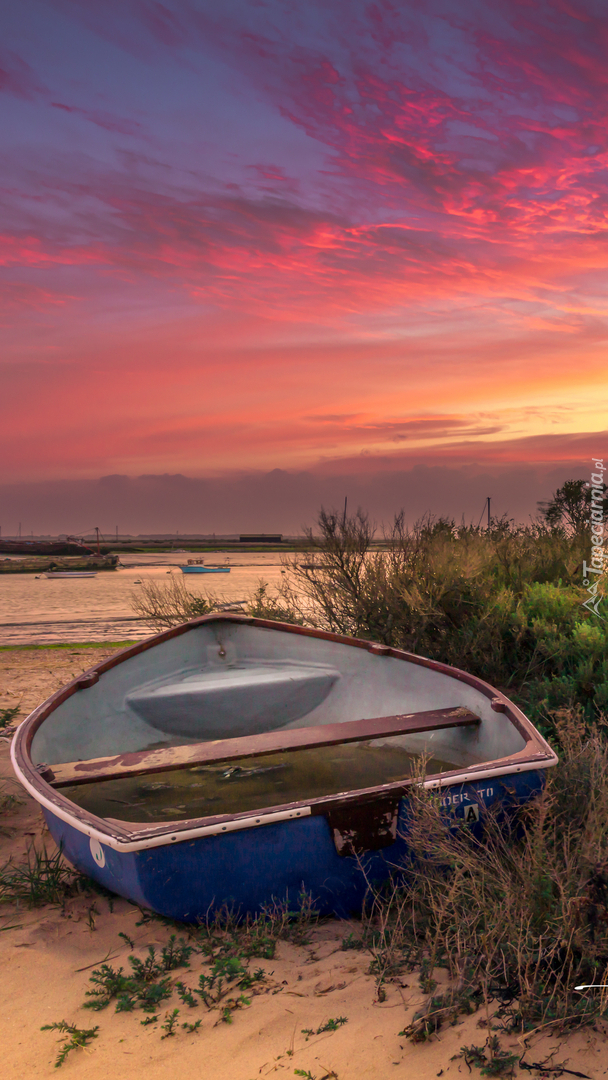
x,y
248,869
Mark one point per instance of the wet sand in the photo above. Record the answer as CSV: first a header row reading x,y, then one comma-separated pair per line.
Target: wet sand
x,y
47,954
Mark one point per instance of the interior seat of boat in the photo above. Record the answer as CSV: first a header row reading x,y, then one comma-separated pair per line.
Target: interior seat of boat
x,y
166,759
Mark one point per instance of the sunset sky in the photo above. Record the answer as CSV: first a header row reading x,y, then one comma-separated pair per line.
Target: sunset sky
x,y
335,238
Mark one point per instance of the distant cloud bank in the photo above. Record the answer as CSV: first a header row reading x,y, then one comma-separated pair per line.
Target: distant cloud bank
x,y
276,501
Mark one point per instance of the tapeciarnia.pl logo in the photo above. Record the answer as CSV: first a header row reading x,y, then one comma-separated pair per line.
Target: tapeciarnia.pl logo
x,y
598,554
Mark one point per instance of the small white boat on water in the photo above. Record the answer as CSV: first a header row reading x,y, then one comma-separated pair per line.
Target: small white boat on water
x,y
70,573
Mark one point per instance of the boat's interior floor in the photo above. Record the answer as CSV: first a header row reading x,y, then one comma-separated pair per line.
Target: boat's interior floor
x,y
252,783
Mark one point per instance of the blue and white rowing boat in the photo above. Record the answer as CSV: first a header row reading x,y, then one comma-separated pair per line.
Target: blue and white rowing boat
x,y
234,760
199,569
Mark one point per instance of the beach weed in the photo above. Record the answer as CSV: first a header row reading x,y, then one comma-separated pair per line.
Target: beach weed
x,y
127,940
231,1005
8,800
225,932
225,971
494,1062
170,1023
42,879
329,1025
186,995
137,990
109,984
519,914
151,995
176,954
73,1038
439,1010
8,715
126,1002
353,941
191,1028
146,970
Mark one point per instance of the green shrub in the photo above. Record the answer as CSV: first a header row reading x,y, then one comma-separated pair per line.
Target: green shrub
x,y
504,604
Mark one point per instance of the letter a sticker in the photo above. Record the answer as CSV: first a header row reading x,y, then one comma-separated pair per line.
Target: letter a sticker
x,y
471,813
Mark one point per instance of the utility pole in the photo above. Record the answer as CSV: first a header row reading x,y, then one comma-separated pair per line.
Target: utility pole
x,y
489,518
98,548
345,505
19,530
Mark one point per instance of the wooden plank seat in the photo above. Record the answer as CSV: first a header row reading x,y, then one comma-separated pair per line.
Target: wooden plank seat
x,y
165,758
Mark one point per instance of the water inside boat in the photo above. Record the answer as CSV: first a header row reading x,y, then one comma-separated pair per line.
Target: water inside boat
x,y
252,783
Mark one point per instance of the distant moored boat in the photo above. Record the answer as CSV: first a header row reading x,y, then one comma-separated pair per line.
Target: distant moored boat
x,y
70,573
196,566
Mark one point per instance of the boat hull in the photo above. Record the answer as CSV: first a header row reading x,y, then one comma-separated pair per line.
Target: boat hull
x,y
250,870
70,573
205,569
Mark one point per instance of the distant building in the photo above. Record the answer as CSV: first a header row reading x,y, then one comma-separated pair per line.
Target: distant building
x,y
261,538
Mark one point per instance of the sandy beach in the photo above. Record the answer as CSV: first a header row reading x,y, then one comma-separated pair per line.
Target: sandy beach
x,y
48,954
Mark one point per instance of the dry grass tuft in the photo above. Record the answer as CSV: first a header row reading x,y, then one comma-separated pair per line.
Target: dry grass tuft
x,y
518,917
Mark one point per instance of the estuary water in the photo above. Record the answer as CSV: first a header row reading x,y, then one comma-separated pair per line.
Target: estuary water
x,y
37,610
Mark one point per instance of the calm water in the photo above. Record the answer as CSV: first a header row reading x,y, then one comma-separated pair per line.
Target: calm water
x,y
39,610
251,784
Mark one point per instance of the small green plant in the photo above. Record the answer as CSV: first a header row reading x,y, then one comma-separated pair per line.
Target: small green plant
x,y
8,800
131,991
125,1003
176,954
437,1011
73,1038
170,1023
229,934
108,984
225,971
310,1076
146,970
8,715
330,1025
149,1020
191,1028
149,997
186,995
128,941
352,942
494,1062
427,983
